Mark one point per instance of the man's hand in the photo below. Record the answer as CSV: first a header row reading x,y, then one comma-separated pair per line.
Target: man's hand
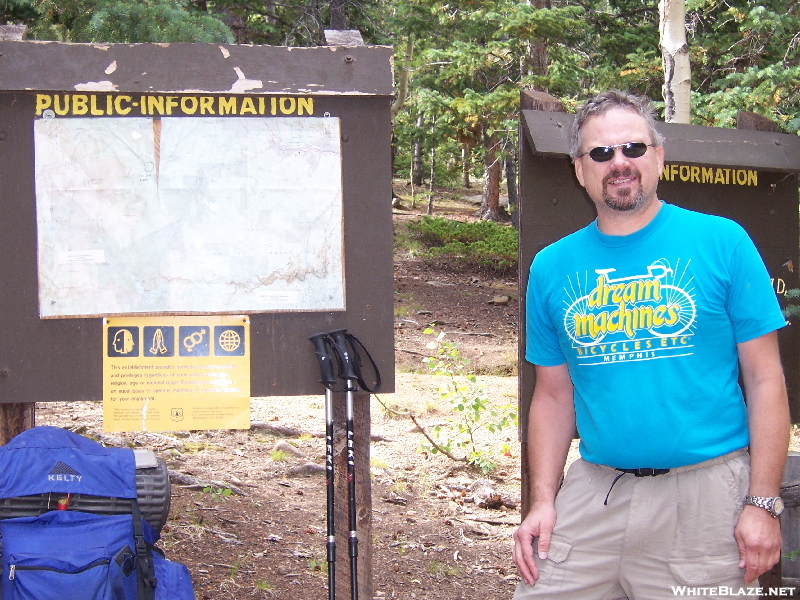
x,y
759,537
539,523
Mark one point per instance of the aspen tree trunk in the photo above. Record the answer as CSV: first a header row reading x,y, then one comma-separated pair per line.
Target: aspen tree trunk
x,y
511,181
402,84
417,154
465,166
675,58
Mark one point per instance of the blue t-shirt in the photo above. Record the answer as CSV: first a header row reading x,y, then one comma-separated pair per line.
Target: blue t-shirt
x,y
648,325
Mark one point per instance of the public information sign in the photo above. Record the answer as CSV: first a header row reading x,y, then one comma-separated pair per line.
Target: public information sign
x,y
176,373
158,181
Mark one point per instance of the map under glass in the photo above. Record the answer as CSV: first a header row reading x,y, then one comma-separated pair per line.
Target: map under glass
x,y
188,215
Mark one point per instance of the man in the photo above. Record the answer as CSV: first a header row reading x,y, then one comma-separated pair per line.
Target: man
x,y
636,325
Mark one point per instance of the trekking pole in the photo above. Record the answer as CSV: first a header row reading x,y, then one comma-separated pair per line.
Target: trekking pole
x,y
348,374
328,379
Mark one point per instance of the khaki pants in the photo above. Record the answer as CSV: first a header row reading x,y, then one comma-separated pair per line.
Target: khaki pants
x,y
654,535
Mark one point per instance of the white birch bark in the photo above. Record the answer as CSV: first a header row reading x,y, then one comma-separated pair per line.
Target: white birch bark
x,y
675,57
402,85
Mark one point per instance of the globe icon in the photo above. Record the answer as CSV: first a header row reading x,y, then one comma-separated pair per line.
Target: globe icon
x,y
229,340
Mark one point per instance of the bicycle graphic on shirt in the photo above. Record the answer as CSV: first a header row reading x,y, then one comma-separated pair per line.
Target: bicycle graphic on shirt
x,y
630,306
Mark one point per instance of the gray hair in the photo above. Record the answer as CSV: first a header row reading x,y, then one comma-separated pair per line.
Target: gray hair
x,y
602,103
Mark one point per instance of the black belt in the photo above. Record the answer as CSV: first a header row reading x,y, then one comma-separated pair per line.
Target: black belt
x,y
637,473
645,472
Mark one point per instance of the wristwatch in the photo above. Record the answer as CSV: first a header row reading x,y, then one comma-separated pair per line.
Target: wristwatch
x,y
773,506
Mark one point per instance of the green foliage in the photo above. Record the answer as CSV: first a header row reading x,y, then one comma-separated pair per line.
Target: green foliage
x,y
482,243
263,585
317,564
471,408
279,456
127,21
234,569
290,22
436,567
300,22
792,555
745,56
17,11
218,493
792,307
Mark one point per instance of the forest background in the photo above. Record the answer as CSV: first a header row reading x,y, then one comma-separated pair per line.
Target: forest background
x,y
460,65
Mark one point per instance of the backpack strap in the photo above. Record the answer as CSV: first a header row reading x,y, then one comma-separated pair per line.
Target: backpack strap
x,y
145,572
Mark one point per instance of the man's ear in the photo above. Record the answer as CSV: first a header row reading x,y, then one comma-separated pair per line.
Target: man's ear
x,y
659,150
579,171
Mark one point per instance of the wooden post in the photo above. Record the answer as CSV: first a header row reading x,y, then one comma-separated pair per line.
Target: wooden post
x,y
530,100
536,100
15,417
361,438
755,122
343,37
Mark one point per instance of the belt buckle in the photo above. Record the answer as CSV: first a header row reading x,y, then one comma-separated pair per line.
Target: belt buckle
x,y
645,472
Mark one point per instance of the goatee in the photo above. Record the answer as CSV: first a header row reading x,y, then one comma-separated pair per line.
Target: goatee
x,y
627,199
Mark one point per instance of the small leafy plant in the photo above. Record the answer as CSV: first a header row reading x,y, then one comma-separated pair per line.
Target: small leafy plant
x,y
471,409
317,564
263,585
279,456
436,567
218,493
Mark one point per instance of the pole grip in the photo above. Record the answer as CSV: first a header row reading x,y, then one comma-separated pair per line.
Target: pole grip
x,y
327,376
342,348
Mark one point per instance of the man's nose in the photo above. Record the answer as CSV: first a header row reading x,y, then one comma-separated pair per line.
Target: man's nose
x,y
619,158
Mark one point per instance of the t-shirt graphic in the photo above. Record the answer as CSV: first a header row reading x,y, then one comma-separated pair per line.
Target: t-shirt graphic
x,y
640,317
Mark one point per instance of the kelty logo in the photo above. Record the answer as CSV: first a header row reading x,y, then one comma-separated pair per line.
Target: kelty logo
x,y
63,472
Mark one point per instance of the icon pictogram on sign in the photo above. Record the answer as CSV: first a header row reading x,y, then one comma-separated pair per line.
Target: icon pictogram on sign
x,y
194,340
229,340
159,341
123,342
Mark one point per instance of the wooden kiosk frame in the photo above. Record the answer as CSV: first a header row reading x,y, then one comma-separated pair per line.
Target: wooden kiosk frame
x,y
61,359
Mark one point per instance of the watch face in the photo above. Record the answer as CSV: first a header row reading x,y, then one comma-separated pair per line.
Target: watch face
x,y
777,506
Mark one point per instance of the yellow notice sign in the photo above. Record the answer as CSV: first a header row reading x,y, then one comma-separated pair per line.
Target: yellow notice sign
x,y
176,373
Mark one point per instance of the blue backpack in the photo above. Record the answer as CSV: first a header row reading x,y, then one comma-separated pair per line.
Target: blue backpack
x,y
69,554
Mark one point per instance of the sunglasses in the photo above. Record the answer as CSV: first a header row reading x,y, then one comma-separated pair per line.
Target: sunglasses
x,y
606,153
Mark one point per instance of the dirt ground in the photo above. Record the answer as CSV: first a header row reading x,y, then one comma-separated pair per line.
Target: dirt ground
x,y
251,524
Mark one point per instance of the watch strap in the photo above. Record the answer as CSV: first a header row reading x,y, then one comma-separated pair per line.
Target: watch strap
x,y
767,504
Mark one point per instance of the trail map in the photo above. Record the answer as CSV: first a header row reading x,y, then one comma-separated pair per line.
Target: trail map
x,y
188,215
